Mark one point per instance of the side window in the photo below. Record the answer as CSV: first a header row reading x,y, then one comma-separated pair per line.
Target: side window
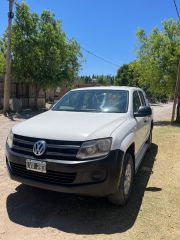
x,y
136,102
142,98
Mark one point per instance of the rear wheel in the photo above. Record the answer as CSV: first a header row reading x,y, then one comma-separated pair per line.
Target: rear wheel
x,y
122,195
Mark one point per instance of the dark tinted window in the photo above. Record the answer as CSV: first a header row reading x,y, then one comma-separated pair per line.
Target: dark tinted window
x,y
136,102
142,98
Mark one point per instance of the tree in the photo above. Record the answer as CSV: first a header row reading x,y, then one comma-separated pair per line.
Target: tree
x,y
42,54
158,57
2,57
127,75
102,80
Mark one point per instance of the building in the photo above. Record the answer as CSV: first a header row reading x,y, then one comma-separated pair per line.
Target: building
x,y
22,96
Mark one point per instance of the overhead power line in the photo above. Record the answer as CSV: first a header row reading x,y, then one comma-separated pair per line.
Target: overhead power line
x,y
176,9
98,56
101,58
94,54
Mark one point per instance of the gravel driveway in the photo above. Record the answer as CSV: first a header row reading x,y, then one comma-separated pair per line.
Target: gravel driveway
x,y
152,213
162,112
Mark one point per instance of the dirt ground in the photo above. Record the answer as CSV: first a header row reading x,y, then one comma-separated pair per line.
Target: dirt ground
x,y
162,112
152,213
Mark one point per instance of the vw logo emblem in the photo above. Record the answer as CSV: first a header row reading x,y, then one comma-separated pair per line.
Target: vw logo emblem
x,y
39,148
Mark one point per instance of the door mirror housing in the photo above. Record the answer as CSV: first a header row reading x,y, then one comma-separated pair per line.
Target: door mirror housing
x,y
143,112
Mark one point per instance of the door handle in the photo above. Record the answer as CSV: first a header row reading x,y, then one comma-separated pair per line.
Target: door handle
x,y
145,120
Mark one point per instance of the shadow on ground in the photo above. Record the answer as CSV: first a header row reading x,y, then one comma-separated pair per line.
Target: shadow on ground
x,y
36,208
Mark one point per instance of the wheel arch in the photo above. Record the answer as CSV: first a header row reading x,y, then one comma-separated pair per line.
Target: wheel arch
x,y
128,142
128,146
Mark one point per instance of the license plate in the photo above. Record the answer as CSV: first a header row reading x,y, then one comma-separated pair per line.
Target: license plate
x,y
37,166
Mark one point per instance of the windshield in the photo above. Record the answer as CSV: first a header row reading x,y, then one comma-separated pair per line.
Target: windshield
x,y
109,101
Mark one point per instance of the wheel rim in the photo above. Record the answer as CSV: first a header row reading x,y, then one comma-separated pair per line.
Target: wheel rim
x,y
127,179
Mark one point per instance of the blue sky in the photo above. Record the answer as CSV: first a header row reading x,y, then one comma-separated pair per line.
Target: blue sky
x,y
105,27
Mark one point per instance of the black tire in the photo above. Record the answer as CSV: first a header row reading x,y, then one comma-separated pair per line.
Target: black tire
x,y
122,195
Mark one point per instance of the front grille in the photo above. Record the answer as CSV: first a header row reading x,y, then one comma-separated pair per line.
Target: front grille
x,y
51,177
56,149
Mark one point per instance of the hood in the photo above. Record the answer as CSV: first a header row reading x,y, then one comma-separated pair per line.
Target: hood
x,y
72,126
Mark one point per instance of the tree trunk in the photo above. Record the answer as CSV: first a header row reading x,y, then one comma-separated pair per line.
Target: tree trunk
x,y
37,89
178,110
27,94
176,97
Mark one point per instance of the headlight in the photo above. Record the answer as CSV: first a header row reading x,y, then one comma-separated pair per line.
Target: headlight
x,y
10,139
95,148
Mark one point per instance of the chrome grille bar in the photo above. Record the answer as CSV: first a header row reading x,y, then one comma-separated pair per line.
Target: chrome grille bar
x,y
56,149
48,145
22,148
22,141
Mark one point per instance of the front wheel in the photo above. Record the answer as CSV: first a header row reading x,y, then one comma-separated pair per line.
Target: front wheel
x,y
122,195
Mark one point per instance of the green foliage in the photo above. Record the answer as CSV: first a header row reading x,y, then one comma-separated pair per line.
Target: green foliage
x,y
104,80
2,57
127,75
42,55
155,68
158,57
87,79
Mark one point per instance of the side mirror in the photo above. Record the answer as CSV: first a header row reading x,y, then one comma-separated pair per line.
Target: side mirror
x,y
143,112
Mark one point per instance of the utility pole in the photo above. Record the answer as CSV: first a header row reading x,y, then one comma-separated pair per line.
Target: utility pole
x,y
176,97
177,87
7,80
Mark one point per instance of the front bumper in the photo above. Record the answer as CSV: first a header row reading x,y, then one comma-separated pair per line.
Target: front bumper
x,y
97,177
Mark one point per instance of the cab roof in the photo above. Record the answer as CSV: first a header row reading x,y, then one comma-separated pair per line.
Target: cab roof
x,y
108,88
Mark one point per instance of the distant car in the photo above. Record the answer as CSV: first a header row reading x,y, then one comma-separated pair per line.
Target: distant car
x,y
91,142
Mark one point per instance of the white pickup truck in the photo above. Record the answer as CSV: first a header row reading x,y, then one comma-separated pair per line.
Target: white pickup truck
x,y
91,142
